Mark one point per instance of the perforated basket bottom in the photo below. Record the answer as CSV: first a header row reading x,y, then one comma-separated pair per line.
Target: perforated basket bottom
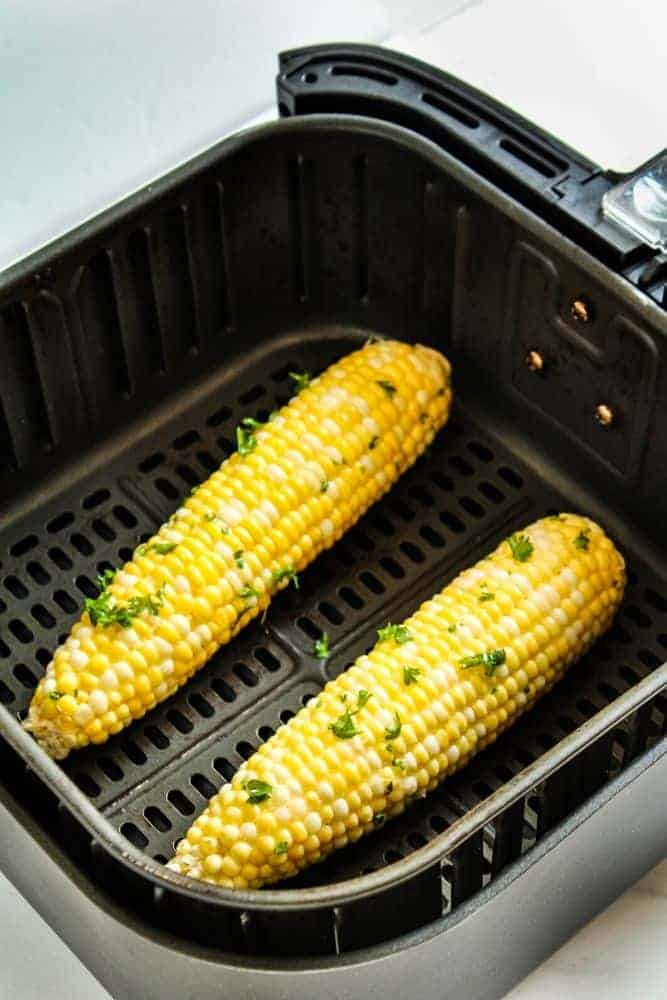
x,y
466,494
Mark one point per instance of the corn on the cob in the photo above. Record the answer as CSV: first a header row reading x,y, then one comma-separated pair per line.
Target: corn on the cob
x,y
294,486
432,693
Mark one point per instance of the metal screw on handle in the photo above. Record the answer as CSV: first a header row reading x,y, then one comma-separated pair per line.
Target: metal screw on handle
x,y
580,311
535,361
604,415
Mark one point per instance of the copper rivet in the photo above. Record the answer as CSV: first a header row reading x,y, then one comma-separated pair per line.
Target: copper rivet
x,y
604,414
579,311
535,361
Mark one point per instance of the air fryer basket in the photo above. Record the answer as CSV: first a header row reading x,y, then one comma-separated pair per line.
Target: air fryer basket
x,y
131,350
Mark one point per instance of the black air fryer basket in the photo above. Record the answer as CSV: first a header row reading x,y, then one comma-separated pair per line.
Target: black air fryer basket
x,y
130,350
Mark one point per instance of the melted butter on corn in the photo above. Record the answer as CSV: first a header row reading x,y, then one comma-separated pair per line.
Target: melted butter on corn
x,y
473,666
244,534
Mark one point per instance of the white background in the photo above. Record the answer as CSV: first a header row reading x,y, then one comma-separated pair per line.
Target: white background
x,y
98,97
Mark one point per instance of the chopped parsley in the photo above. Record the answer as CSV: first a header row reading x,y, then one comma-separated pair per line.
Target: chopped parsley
x,y
423,417
321,648
301,380
246,440
379,819
282,847
238,559
324,486
287,573
56,695
248,593
372,444
162,548
258,791
521,547
410,675
105,578
388,387
582,540
490,660
399,763
251,424
362,699
451,628
399,633
486,594
389,789
394,731
344,727
193,490
102,610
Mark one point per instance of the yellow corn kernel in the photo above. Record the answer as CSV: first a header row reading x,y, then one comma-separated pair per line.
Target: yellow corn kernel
x,y
432,693
296,485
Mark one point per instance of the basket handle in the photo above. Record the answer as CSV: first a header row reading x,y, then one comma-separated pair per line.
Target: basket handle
x,y
561,185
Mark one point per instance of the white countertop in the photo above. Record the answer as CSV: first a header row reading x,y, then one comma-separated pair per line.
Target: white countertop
x,y
97,99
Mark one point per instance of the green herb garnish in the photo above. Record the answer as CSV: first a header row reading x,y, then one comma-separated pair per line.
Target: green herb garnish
x,y
248,593
193,490
102,611
238,559
582,540
521,547
363,697
282,847
287,573
324,486
258,791
399,633
372,444
486,594
321,649
301,380
344,727
379,819
399,763
389,789
55,695
490,660
251,424
105,578
410,675
451,628
394,731
388,387
245,440
162,548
